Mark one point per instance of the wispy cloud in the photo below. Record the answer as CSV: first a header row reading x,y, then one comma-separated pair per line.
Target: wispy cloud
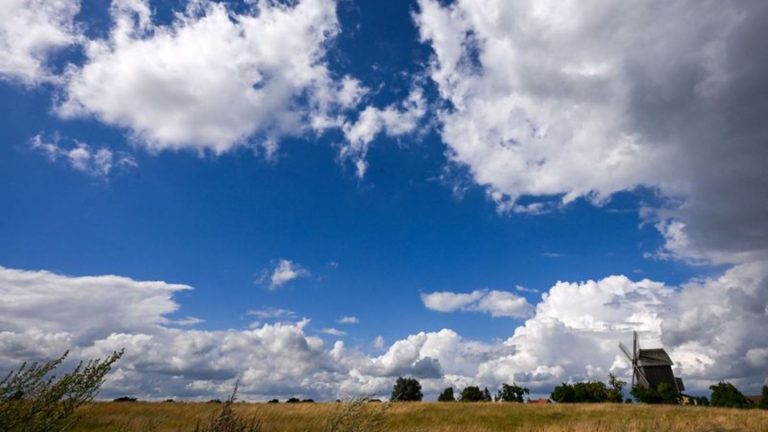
x,y
272,313
348,320
283,272
333,331
96,162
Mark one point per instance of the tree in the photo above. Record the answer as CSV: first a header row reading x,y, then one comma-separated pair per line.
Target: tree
x,y
616,389
512,393
406,389
591,392
32,400
764,399
447,395
487,395
724,394
563,393
472,394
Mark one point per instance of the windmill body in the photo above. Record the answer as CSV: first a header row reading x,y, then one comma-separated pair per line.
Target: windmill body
x,y
651,367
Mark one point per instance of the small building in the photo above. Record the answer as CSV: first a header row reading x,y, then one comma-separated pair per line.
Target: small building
x,y
542,401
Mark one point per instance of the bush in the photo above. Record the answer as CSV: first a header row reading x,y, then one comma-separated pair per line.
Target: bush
x,y
724,394
563,393
406,389
32,400
273,401
512,393
446,395
357,415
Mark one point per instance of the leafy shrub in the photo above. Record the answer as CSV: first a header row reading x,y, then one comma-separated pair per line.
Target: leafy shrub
x,y
32,400
406,389
724,394
357,415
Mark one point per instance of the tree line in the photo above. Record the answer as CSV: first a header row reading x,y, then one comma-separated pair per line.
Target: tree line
x,y
724,394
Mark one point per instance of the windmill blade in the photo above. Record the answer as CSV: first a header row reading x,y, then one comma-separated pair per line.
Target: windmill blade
x,y
635,346
626,352
641,376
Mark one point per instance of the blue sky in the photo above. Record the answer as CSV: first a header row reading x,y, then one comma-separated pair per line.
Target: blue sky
x,y
582,193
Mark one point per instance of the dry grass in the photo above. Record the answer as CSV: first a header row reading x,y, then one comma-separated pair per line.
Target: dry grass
x,y
434,417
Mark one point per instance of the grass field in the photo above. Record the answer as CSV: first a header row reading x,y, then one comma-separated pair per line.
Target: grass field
x,y
433,417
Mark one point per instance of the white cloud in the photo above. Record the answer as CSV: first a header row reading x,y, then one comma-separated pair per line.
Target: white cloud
x,y
30,30
496,303
573,335
393,121
284,272
556,100
81,156
213,79
348,320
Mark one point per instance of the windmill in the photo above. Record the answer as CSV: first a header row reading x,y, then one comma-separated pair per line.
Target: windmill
x,y
651,367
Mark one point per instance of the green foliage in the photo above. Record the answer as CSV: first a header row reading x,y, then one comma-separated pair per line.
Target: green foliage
x,y
472,394
446,395
357,416
583,392
764,400
32,400
227,421
563,393
511,393
406,389
615,389
724,394
662,394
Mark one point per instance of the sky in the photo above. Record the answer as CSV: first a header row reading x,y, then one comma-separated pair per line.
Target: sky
x,y
315,197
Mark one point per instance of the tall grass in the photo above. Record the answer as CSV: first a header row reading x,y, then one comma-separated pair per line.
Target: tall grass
x,y
433,417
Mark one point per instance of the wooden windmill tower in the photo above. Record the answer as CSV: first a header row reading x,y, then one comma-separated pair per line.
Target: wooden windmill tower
x,y
651,367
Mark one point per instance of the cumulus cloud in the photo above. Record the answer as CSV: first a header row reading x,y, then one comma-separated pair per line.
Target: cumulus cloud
x,y
549,99
573,335
284,272
30,30
213,79
496,303
81,156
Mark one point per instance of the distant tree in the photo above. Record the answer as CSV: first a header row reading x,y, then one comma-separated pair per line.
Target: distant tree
x,y
662,394
292,400
125,399
214,401
446,395
307,401
724,394
32,399
406,389
511,393
472,394
764,400
563,393
591,392
615,389
487,395
273,401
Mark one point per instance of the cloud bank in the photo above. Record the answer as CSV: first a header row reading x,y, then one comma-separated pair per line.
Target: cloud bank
x,y
572,335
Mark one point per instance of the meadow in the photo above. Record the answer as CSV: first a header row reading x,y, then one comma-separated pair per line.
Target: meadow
x,y
431,417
